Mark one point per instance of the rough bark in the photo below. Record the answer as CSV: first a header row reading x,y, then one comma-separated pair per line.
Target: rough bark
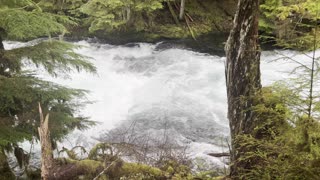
x,y
46,146
182,7
242,74
5,171
3,61
1,44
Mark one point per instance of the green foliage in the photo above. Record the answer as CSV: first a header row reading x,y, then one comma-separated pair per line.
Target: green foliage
x,y
24,25
19,97
116,14
9,135
65,7
174,170
21,90
89,165
280,149
105,14
285,157
56,57
133,169
71,153
292,22
98,152
113,167
209,175
170,170
273,114
285,143
110,14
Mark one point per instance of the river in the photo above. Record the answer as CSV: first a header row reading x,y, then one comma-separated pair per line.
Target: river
x,y
155,91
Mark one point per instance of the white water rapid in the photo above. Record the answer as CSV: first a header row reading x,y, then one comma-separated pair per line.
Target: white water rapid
x,y
178,90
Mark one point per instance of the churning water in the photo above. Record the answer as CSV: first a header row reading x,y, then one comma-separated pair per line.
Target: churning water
x,y
173,90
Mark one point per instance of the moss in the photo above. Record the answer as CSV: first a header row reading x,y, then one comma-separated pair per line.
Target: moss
x,y
171,31
73,169
135,168
141,171
208,175
90,165
90,168
279,149
99,151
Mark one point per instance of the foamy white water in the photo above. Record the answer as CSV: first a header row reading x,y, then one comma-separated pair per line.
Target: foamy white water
x,y
180,88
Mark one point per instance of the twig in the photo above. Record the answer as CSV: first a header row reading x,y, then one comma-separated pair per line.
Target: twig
x,y
230,150
219,154
173,13
105,169
189,27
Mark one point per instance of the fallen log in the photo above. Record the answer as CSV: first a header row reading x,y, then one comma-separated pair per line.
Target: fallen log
x,y
219,154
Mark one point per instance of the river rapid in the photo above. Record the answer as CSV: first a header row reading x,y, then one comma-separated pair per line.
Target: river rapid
x,y
172,93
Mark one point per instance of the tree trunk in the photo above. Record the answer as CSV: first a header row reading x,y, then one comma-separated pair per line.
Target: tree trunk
x,y
1,44
5,171
46,147
242,74
3,61
182,7
313,69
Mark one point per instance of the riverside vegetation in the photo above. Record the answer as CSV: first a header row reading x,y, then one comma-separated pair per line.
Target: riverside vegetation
x,y
283,144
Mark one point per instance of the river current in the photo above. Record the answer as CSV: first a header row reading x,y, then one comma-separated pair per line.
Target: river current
x,y
156,90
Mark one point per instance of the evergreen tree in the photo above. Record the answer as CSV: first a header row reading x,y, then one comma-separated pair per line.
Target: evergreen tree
x,y
21,90
284,141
